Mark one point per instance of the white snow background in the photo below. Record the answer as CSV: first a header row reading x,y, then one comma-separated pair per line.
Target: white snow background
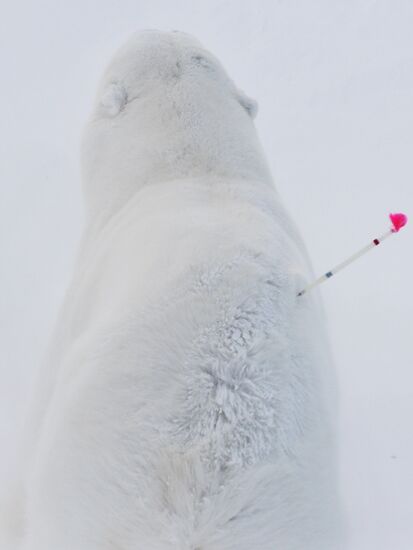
x,y
334,82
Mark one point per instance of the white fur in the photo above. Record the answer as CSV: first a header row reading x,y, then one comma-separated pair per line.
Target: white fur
x,y
186,401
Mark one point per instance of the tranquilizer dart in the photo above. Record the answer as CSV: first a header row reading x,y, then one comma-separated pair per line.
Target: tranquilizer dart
x,y
398,221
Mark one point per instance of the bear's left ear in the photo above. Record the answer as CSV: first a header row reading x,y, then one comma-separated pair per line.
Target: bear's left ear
x,y
250,105
113,98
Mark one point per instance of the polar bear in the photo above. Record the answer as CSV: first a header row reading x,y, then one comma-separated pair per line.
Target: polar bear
x,y
188,400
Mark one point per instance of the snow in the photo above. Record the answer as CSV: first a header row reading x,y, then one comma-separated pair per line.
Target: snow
x,y
334,83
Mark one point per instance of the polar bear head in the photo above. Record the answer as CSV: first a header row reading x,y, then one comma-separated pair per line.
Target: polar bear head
x,y
166,109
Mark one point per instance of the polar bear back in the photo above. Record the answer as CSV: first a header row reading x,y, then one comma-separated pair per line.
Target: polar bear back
x,y
190,383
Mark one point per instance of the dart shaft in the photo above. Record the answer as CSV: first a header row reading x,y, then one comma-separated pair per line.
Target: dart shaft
x,y
346,262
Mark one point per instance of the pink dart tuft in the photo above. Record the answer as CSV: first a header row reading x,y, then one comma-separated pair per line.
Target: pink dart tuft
x,y
398,220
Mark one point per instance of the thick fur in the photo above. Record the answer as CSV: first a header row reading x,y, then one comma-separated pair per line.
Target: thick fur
x,y
185,404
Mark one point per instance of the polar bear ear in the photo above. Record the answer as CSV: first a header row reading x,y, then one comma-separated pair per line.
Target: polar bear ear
x,y
250,105
114,98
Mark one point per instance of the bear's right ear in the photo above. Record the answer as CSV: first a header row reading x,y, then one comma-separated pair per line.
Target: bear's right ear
x,y
250,105
113,98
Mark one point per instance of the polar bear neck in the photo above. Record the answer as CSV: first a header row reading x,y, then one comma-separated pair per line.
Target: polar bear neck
x,y
185,127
